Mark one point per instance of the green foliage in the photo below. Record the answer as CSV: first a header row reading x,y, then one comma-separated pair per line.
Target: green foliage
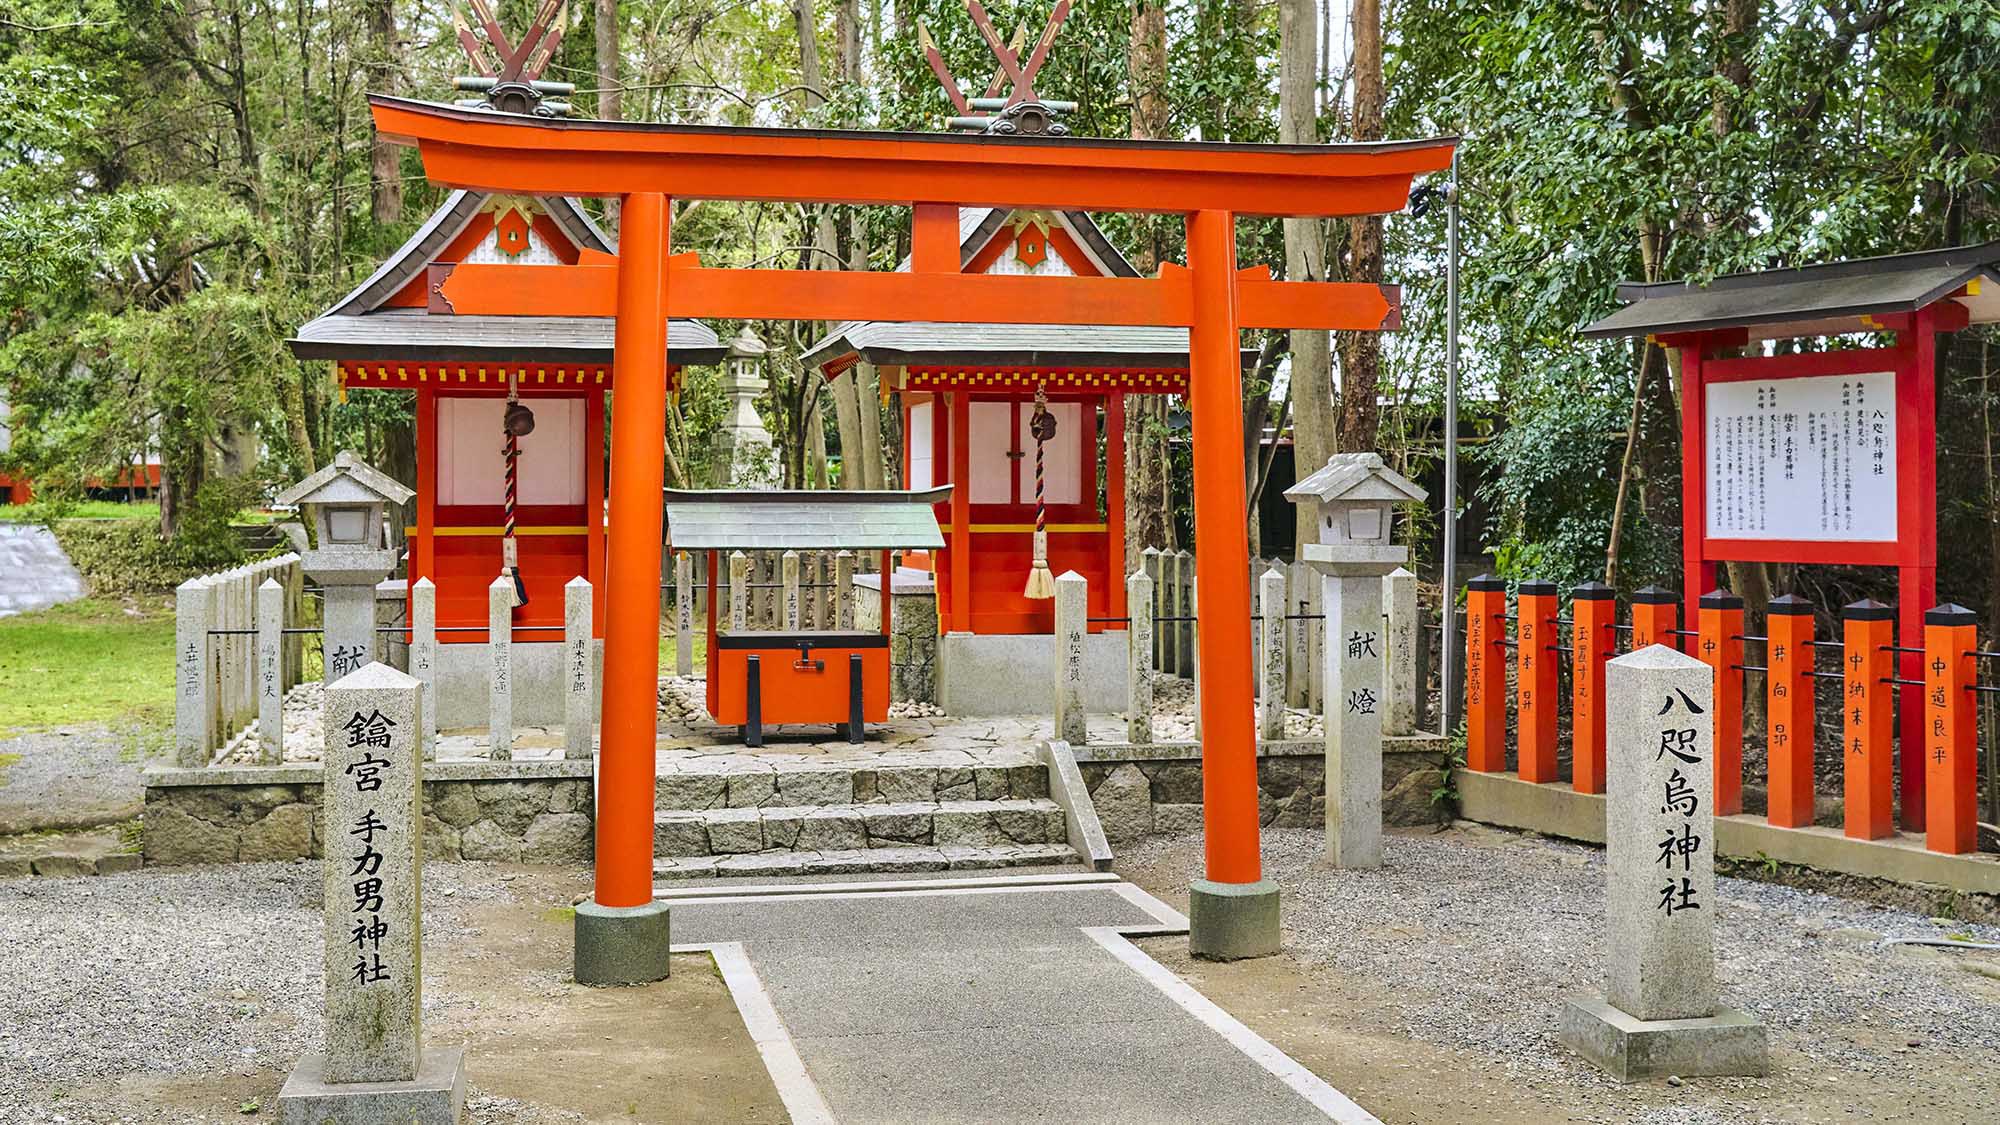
x,y
128,556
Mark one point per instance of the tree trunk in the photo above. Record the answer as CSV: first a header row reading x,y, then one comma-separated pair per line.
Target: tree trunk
x,y
1148,493
847,422
1313,419
610,92
1361,352
385,177
807,24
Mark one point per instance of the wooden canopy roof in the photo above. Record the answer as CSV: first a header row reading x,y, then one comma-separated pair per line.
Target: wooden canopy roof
x,y
1817,300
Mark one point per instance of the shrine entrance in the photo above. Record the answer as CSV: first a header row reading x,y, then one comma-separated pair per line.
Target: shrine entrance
x,y
1234,911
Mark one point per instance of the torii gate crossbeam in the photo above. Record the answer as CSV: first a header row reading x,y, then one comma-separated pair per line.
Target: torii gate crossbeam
x,y
1234,912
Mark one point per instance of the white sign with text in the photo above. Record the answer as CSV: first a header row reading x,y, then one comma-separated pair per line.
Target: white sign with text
x,y
1809,459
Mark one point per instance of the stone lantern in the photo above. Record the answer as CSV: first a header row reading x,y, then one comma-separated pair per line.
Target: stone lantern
x,y
742,444
349,500
1354,499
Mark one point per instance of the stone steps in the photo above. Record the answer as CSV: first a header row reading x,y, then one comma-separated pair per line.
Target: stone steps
x,y
847,827
851,861
742,781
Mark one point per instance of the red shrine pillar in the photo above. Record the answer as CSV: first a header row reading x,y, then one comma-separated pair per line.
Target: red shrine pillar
x,y
1233,913
621,934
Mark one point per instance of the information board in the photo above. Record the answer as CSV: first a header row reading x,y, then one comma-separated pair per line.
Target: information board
x,y
1806,459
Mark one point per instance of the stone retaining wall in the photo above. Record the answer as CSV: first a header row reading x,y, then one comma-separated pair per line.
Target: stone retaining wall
x,y
246,815
1141,790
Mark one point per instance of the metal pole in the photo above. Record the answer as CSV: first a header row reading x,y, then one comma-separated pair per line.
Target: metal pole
x,y
1447,702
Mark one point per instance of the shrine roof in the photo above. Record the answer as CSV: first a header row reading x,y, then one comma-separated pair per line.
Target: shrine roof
x,y
964,344
1812,300
364,326
784,520
412,334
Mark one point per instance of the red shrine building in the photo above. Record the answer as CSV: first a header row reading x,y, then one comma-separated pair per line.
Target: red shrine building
x,y
397,331
967,394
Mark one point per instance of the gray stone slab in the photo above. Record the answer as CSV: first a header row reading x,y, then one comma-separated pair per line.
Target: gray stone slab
x,y
436,1096
1631,1049
372,809
986,1007
1352,650
34,571
1072,607
1659,854
579,672
500,670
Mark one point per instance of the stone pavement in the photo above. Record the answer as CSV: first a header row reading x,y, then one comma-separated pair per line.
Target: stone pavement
x,y
34,572
998,1000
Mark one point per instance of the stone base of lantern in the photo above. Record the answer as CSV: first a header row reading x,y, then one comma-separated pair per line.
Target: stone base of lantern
x,y
435,1097
1630,1049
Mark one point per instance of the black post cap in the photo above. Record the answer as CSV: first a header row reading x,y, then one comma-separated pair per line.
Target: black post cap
x,y
1485,582
1533,587
1790,605
1721,599
1593,592
1655,595
1867,609
1950,613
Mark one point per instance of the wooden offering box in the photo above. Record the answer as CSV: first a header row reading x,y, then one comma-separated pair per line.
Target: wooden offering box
x,y
834,676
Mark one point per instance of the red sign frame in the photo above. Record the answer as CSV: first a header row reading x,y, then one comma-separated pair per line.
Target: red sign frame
x,y
1913,359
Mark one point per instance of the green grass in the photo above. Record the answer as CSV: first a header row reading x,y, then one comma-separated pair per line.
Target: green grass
x,y
86,662
83,510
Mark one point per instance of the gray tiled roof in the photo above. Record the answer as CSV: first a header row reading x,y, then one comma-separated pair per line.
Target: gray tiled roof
x,y
1806,296
414,334
776,520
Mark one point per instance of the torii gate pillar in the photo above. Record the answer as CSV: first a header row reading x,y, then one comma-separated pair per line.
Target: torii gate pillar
x,y
1233,913
622,933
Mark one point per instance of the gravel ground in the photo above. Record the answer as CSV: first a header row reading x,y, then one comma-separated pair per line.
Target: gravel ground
x,y
1476,935
69,778
171,973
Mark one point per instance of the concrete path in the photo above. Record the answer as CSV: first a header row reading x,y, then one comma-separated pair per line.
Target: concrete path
x,y
1006,999
34,572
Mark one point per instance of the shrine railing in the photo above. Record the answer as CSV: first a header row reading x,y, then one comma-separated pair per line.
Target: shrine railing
x,y
1524,657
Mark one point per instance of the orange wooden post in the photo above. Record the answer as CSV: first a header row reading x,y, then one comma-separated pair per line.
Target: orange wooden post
x,y
1656,613
1788,629
1222,580
1594,614
1868,714
632,622
1720,646
1535,680
1951,731
1485,675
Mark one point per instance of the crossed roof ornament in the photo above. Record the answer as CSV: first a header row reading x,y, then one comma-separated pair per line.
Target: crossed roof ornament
x,y
1015,69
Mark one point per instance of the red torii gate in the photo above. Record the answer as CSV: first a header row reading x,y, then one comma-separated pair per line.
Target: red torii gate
x,y
646,165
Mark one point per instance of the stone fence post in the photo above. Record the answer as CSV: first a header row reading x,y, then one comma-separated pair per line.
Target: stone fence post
x,y
789,571
1399,600
739,591
194,731
683,614
579,671
270,673
1661,1012
1072,628
424,656
1271,668
500,673
1149,565
374,1065
1298,675
1139,654
843,590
